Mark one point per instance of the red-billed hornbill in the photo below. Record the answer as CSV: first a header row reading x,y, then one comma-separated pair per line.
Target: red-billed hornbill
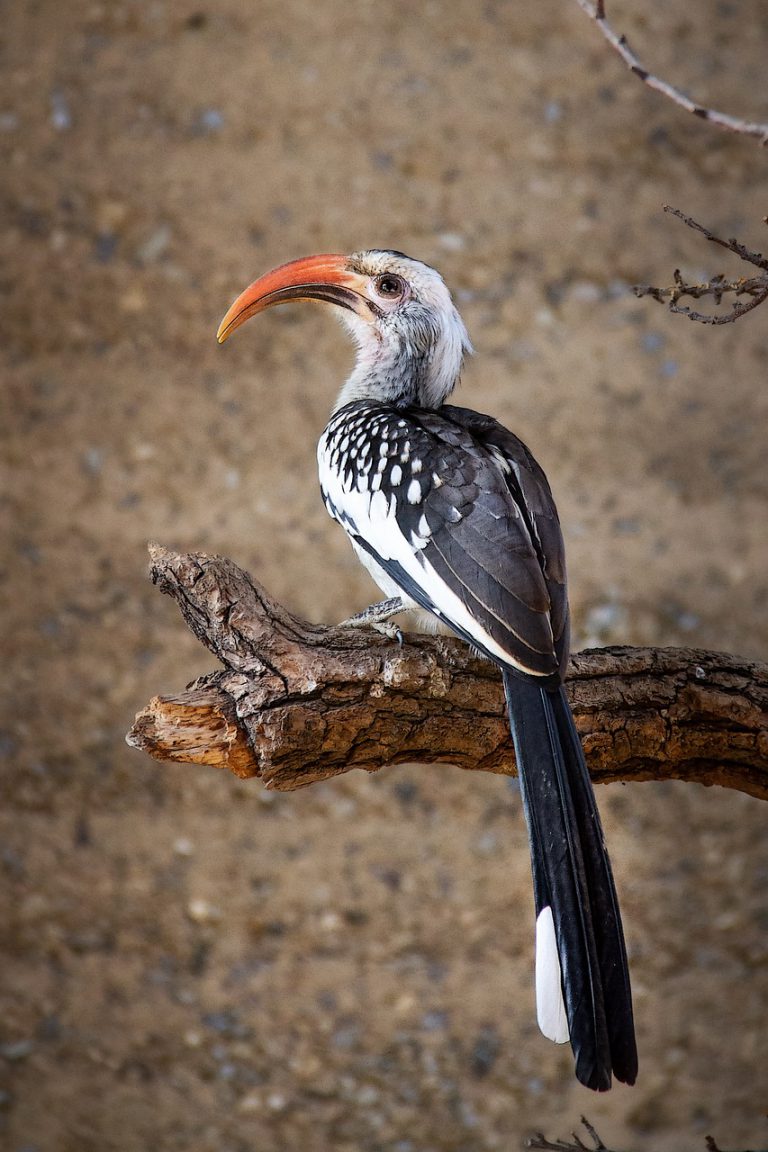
x,y
451,513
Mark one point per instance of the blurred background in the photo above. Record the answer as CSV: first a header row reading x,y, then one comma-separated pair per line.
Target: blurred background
x,y
189,961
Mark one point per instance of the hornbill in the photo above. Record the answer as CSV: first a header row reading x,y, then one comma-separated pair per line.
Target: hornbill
x,y
451,515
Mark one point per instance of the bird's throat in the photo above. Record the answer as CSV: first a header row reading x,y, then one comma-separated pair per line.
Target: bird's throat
x,y
402,376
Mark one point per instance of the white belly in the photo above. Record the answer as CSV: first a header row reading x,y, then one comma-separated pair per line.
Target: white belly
x,y
423,620
385,582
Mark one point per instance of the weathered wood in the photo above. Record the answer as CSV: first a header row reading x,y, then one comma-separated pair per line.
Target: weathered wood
x,y
199,726
297,702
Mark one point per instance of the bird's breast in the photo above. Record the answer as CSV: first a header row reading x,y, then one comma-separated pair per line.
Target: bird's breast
x,y
374,467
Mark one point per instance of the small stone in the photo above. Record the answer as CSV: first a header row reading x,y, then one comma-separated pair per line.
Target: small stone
x,y
201,912
685,620
208,121
218,1021
434,1021
133,301
585,292
356,917
110,214
451,241
626,525
485,1051
346,1036
406,791
486,844
61,117
651,341
390,877
155,245
183,847
105,247
58,240
251,1102
49,1028
93,461
405,1004
16,1050
306,1067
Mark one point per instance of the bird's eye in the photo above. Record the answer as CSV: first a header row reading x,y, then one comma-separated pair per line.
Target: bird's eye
x,y
390,287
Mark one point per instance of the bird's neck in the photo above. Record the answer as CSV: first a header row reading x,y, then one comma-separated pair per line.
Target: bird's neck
x,y
404,376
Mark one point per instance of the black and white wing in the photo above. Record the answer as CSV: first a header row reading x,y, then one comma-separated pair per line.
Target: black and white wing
x,y
458,514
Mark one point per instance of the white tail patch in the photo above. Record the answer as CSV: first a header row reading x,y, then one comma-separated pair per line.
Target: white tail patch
x,y
550,1006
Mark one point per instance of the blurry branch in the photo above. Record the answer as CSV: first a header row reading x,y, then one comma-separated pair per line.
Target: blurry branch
x,y
597,12
713,1146
540,1142
297,702
755,287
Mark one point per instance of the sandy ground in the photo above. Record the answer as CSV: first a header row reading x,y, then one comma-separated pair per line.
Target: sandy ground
x,y
189,962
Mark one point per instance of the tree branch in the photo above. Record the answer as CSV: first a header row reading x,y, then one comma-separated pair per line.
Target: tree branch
x,y
756,287
297,702
576,1144
596,12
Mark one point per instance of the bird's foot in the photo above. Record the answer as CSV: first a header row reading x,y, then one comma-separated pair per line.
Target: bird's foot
x,y
377,616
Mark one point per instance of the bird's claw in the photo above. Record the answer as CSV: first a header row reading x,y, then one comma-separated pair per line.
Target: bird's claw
x,y
390,630
377,617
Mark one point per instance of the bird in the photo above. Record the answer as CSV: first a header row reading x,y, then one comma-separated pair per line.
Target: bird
x,y
454,518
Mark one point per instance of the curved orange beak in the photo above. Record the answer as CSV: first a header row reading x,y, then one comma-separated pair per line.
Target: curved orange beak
x,y
326,277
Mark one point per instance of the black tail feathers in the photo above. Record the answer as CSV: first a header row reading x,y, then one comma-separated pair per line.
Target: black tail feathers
x,y
573,890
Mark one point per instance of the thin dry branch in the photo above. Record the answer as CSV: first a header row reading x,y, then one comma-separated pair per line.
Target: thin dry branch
x,y
296,702
576,1144
596,11
756,287
713,1146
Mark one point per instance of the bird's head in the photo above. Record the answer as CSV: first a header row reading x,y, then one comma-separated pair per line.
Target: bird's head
x,y
410,339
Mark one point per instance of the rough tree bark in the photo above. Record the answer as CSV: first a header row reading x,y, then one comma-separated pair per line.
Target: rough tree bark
x,y
297,702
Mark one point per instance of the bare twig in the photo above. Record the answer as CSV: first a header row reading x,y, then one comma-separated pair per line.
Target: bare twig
x,y
596,12
712,1145
756,287
732,245
296,702
540,1142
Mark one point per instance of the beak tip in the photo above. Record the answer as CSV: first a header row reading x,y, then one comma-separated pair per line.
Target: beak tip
x,y
298,280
